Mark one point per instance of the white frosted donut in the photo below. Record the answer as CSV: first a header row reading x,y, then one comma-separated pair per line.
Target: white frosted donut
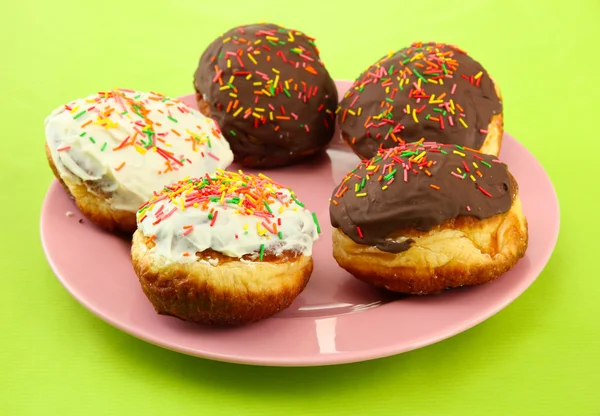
x,y
114,149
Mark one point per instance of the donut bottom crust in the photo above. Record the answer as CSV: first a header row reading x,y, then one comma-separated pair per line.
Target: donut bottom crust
x,y
265,160
491,145
234,292
94,206
461,252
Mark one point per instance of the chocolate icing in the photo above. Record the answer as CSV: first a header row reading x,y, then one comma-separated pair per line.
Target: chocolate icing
x,y
411,202
278,124
398,80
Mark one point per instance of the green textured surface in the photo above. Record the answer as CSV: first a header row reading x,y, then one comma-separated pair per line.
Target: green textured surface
x,y
539,356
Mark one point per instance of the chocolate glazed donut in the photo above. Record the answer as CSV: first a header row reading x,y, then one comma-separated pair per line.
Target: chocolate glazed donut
x,y
430,90
269,92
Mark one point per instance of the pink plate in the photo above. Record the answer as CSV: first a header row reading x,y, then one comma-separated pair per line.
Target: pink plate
x,y
337,319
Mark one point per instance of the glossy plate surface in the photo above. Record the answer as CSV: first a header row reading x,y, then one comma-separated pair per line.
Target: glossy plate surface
x,y
337,319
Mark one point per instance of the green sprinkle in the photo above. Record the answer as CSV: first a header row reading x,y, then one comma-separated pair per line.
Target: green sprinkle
x,y
377,159
310,42
232,132
92,139
246,233
272,43
78,115
363,183
391,69
444,68
406,61
439,110
316,222
485,163
460,147
268,207
296,201
427,116
443,151
221,55
281,42
287,92
401,88
262,251
209,143
389,100
210,216
125,112
82,134
295,50
103,147
280,234
137,96
171,118
419,75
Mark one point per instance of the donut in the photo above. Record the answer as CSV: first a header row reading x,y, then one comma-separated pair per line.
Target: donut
x,y
113,149
424,217
224,249
270,93
428,90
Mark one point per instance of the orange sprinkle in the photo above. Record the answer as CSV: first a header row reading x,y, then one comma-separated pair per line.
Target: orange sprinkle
x,y
86,123
120,166
380,178
427,172
334,202
175,131
354,140
460,108
479,173
437,188
186,254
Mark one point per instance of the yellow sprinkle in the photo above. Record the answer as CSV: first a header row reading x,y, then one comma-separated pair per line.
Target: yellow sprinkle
x,y
229,63
267,93
225,87
275,70
276,81
270,115
226,40
273,38
356,187
258,41
249,76
352,112
140,149
260,110
372,167
441,80
459,171
231,79
451,104
415,116
196,205
419,157
463,122
473,178
361,195
239,110
475,165
359,110
419,83
456,152
431,80
245,227
75,109
257,83
291,37
432,98
384,187
387,90
287,85
232,95
479,74
281,209
407,108
251,58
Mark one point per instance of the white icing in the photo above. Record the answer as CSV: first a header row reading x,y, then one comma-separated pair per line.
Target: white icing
x,y
298,228
82,158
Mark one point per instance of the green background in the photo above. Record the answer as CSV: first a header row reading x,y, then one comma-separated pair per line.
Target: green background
x,y
539,356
